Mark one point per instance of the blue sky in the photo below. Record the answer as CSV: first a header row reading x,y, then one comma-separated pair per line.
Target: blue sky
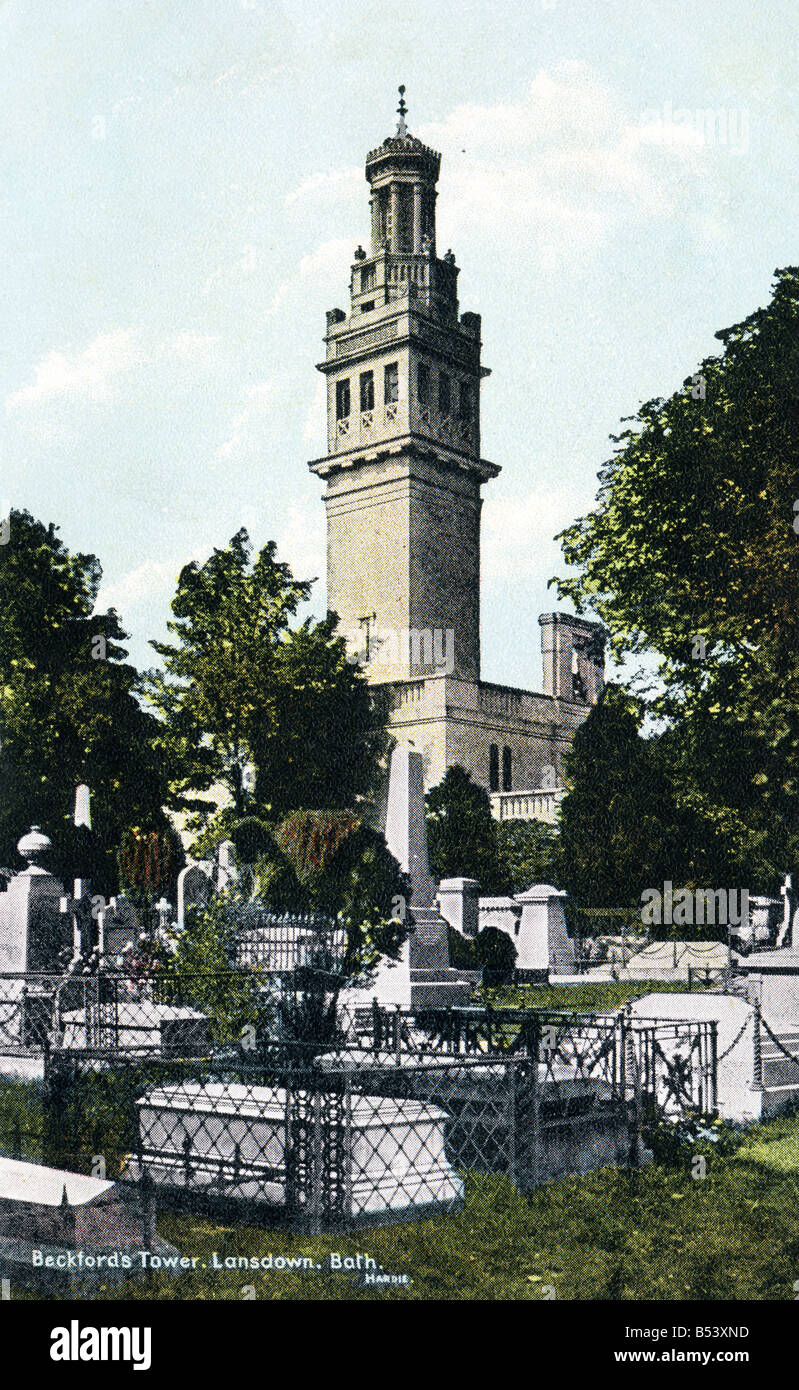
x,y
182,190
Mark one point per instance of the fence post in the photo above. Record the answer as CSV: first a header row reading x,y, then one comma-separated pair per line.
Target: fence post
x,y
536,1102
632,1080
757,1051
714,1066
317,1164
348,1146
398,1036
510,1069
148,1210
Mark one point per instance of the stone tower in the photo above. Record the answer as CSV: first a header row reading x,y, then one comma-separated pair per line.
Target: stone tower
x,y
403,470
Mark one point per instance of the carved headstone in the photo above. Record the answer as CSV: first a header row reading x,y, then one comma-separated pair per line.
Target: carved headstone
x,y
194,888
121,926
227,875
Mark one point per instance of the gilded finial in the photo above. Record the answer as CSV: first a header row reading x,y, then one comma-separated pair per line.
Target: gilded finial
x,y
402,109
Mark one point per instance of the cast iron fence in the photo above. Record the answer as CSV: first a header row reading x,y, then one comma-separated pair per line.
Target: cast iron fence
x,y
285,942
356,1138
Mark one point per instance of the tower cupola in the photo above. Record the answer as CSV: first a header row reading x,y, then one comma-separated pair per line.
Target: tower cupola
x,y
402,174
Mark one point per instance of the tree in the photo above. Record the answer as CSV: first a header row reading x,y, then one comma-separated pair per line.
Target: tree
x,y
620,828
343,869
69,709
528,852
691,554
149,863
276,714
461,832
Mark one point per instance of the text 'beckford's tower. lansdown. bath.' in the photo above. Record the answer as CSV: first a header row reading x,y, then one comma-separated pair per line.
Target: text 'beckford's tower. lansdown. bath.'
x,y
403,477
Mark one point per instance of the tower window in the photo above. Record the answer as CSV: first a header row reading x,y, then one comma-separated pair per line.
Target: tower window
x,y
507,770
423,383
367,390
391,384
493,767
368,278
465,401
342,399
444,395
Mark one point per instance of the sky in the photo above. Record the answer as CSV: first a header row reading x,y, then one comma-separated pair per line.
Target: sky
x,y
182,189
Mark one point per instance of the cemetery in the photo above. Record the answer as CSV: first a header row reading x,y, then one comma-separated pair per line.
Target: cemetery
x,y
342,1104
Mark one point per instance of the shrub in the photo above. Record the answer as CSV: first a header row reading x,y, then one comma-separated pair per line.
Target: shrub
x,y
495,954
676,1141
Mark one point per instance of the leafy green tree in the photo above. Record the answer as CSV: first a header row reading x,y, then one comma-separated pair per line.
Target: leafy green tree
x,y
495,955
274,713
343,869
149,863
528,852
461,832
620,828
199,970
69,709
691,555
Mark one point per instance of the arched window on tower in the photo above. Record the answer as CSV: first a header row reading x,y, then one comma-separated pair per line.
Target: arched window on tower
x,y
493,767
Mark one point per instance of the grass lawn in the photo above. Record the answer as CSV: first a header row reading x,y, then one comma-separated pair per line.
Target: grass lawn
x,y
625,1235
586,998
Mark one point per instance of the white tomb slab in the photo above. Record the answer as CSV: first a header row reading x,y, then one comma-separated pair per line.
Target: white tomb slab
x,y
228,1139
170,1029
21,1181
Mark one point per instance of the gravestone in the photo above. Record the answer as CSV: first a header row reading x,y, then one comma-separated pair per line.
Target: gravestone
x,y
423,978
194,888
227,874
121,926
542,943
226,1139
59,1213
32,929
458,904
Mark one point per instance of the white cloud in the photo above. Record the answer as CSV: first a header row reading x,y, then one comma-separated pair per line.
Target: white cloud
x,y
261,396
302,542
153,578
244,264
89,374
317,272
561,168
337,182
191,347
86,374
518,533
